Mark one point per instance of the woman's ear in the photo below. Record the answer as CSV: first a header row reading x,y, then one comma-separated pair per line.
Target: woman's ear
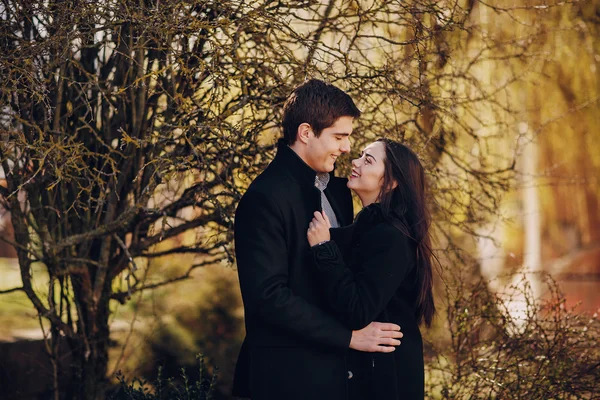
x,y
393,185
389,188
304,132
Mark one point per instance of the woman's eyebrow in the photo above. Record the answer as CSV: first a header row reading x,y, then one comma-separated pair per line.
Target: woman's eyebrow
x,y
369,155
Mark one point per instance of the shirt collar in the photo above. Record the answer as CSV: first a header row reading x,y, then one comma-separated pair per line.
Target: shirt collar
x,y
321,180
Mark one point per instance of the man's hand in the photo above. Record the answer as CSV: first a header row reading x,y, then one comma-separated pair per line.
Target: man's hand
x,y
377,337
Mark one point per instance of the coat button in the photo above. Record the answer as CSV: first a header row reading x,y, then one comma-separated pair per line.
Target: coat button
x,y
350,374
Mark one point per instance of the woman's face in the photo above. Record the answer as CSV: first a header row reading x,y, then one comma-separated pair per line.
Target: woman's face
x,y
366,178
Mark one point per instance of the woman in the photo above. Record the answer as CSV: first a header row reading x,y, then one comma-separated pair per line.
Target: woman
x,y
380,268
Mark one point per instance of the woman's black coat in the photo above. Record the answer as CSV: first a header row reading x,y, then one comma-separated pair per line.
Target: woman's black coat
x,y
293,345
368,273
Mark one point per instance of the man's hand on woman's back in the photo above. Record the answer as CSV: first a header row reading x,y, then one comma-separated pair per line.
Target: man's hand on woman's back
x,y
377,337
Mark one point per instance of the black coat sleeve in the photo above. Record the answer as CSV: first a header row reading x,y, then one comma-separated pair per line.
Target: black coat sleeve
x,y
359,296
262,261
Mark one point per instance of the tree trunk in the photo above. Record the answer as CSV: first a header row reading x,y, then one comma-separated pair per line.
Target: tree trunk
x,y
532,254
90,354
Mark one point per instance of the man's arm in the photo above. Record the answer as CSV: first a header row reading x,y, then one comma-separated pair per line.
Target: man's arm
x,y
263,269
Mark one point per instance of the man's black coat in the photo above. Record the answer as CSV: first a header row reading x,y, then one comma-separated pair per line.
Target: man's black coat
x,y
293,344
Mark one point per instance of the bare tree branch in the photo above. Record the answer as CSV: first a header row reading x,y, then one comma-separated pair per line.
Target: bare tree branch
x,y
121,297
15,289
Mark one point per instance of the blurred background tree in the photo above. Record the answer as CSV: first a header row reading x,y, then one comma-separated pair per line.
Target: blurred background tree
x,y
131,129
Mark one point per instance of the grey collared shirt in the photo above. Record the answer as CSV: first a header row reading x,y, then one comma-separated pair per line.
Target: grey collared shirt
x,y
321,181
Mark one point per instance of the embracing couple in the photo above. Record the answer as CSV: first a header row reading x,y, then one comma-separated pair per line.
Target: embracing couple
x,y
324,296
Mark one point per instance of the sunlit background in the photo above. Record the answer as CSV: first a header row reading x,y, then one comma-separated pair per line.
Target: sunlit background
x,y
514,96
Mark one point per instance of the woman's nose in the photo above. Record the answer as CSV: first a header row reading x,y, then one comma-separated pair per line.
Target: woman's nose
x,y
355,162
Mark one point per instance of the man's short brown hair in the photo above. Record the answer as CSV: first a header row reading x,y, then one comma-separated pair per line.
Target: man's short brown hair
x,y
318,104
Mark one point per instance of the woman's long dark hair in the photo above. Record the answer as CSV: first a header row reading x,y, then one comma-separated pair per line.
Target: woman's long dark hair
x,y
405,206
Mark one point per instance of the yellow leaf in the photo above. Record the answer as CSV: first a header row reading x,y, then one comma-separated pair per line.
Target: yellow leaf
x,y
128,139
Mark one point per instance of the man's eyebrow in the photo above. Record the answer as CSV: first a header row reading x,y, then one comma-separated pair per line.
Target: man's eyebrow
x,y
341,134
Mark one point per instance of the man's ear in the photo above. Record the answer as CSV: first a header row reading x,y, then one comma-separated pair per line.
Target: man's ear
x,y
304,132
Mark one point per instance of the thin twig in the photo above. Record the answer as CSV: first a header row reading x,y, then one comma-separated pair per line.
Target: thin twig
x,y
16,289
122,296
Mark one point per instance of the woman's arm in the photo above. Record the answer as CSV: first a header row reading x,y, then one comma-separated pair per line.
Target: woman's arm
x,y
359,297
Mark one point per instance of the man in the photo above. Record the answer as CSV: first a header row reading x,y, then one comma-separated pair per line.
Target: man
x,y
294,348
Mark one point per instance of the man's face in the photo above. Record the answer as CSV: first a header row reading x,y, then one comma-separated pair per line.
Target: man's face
x,y
334,141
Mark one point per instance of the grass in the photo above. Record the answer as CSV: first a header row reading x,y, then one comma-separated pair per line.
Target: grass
x,y
16,311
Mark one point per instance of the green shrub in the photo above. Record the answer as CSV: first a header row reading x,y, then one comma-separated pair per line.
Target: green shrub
x,y
199,386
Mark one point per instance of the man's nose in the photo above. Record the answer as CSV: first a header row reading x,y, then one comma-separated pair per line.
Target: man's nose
x,y
345,148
